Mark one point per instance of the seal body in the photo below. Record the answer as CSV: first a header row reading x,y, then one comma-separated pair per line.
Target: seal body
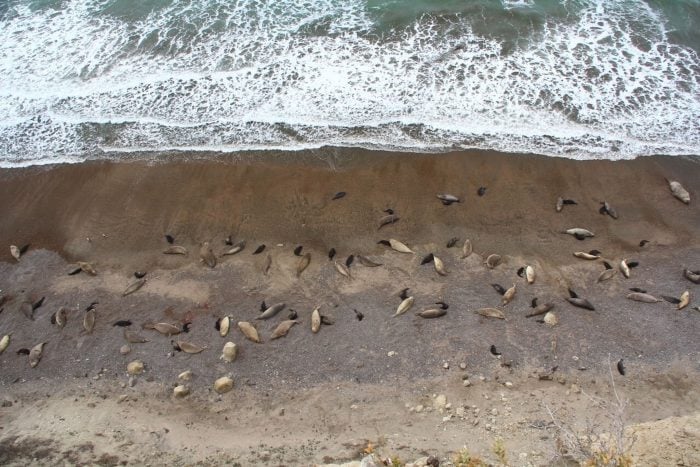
x,y
229,352
303,263
491,313
643,297
249,331
272,311
404,306
315,321
678,191
432,313
283,328
35,354
207,255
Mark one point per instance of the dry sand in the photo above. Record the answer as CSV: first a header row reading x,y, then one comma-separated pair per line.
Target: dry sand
x,y
313,398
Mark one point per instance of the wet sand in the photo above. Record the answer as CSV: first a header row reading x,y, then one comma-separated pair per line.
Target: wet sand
x,y
115,215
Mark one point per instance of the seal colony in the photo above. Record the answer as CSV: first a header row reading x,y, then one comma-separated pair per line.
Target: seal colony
x,y
199,314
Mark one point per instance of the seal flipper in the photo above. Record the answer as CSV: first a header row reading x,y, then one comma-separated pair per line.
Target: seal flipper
x,y
403,295
533,304
338,195
169,238
607,265
673,300
349,261
384,242
499,288
297,250
427,259
520,272
443,305
494,350
572,294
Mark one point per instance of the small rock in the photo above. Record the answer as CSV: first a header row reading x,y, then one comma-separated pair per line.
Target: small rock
x,y
281,412
508,384
6,403
223,385
494,412
135,367
466,383
181,391
391,353
463,366
440,402
460,412
575,389
446,366
122,398
124,349
432,462
185,375
419,408
482,378
561,379
132,382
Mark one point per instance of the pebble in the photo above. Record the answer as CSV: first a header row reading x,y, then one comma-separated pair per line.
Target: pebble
x,y
185,375
575,389
122,398
391,353
463,366
419,408
135,367
181,390
466,383
440,402
124,349
446,366
508,384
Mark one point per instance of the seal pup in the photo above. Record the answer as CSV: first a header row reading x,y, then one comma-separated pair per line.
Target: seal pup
x,y
272,311
60,317
222,325
467,248
492,261
637,289
89,320
389,219
396,245
491,313
643,297
133,337
561,202
303,263
591,255
540,309
481,191
678,191
432,313
4,342
297,250
404,306
625,269
338,195
452,242
439,266
367,262
315,321
259,249
508,295
267,264
607,209
577,301
529,274
175,250
237,248
608,273
448,199
249,331
35,354
206,255
14,251
134,286
166,329
187,347
342,269
692,276
283,328
579,233
684,300
331,254
292,314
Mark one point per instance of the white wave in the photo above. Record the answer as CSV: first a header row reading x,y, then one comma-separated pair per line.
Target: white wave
x,y
298,74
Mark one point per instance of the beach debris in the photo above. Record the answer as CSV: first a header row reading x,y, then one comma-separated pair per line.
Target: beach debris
x,y
643,297
223,385
315,321
181,391
491,313
561,202
229,352
133,337
206,255
389,219
508,295
283,328
35,354
272,311
481,191
187,347
448,199
259,249
396,245
551,318
342,269
166,329
4,342
303,263
678,191
135,368
23,351
331,253
404,306
249,331
492,261
579,233
367,262
237,248
175,250
338,195
692,276
134,286
577,301
452,242
467,249
297,250
439,266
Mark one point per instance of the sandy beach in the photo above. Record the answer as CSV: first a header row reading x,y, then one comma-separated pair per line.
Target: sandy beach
x,y
391,386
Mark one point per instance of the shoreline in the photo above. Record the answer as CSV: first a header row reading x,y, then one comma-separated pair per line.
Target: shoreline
x,y
374,365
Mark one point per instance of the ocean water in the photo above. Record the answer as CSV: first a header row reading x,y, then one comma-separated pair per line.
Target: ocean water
x,y
83,79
